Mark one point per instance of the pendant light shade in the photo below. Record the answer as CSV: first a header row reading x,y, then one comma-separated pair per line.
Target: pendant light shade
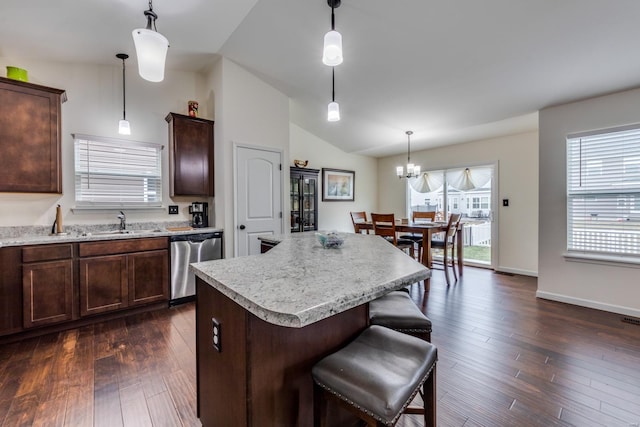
x,y
332,51
151,48
333,112
124,128
123,125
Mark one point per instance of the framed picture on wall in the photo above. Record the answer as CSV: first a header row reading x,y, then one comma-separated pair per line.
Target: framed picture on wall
x,y
338,185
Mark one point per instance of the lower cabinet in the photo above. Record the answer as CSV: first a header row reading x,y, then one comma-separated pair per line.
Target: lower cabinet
x,y
47,285
103,284
122,274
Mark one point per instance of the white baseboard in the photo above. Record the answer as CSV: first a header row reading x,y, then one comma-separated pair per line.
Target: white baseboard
x,y
517,271
627,311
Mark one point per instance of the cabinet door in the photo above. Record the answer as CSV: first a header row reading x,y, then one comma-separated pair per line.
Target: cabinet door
x,y
10,290
191,156
103,284
30,127
148,277
47,289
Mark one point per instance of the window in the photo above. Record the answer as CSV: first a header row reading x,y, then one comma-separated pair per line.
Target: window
x,y
603,189
114,173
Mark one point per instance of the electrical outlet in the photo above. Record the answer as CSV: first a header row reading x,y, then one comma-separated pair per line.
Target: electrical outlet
x,y
173,209
216,334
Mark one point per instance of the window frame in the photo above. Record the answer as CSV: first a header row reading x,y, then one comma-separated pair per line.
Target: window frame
x,y
138,178
602,188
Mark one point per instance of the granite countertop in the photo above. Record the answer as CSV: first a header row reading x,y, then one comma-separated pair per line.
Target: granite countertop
x,y
298,282
31,236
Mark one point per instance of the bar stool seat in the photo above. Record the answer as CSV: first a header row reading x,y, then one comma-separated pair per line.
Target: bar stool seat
x,y
376,376
397,311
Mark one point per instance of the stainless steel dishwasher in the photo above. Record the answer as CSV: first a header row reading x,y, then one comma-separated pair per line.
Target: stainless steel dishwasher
x,y
185,249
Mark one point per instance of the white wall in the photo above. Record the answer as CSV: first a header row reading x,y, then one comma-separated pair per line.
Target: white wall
x,y
321,154
517,159
94,107
250,112
603,286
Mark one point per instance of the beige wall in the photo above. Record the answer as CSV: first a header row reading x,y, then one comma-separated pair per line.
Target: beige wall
x,y
605,286
516,157
321,154
94,107
250,112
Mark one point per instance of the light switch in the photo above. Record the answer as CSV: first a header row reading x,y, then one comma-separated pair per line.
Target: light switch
x,y
505,202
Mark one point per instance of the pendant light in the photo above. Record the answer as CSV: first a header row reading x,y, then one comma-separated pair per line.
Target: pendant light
x,y
123,125
332,52
151,48
333,110
413,171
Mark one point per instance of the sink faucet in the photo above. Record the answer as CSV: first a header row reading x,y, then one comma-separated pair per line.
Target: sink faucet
x,y
123,221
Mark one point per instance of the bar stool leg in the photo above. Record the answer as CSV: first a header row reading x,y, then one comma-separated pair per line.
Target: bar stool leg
x,y
429,400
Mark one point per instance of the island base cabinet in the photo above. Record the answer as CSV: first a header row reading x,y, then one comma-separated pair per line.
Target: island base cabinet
x,y
261,374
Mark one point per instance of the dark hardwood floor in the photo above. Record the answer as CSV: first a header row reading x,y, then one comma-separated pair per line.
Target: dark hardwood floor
x,y
505,359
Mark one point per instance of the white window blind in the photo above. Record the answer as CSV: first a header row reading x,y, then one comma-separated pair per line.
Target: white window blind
x,y
603,192
113,173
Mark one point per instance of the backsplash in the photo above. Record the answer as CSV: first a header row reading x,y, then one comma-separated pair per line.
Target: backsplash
x,y
21,231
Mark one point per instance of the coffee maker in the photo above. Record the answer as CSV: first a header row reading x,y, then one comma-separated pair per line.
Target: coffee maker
x,y
199,214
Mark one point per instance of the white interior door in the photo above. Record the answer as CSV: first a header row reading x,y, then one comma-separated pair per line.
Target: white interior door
x,y
258,195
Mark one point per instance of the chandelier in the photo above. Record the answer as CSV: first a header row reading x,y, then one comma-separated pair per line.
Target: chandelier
x,y
413,171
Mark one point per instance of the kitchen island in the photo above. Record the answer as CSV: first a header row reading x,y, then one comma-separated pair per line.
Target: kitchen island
x,y
263,321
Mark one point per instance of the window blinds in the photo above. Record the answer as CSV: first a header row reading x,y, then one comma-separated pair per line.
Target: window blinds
x,y
603,192
117,173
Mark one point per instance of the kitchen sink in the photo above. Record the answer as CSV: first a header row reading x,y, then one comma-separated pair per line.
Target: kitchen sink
x,y
120,232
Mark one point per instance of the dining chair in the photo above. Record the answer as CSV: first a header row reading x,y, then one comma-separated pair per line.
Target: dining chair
x,y
418,216
447,245
357,218
385,225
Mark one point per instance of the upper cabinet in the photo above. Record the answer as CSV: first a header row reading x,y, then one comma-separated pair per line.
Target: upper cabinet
x,y
30,130
190,155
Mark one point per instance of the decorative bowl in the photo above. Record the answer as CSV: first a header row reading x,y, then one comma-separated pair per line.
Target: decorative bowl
x,y
16,73
330,240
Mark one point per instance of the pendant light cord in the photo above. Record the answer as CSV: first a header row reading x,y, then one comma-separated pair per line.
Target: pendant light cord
x,y
124,96
333,84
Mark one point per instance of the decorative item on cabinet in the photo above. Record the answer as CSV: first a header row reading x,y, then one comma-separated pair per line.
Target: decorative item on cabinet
x,y
190,155
301,163
30,130
303,189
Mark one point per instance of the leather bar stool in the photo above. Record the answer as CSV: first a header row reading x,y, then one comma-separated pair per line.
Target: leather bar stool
x,y
376,377
397,311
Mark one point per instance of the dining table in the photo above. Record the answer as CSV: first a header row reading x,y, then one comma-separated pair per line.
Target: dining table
x,y
427,229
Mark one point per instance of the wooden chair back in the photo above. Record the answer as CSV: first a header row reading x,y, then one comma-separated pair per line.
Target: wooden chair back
x,y
357,218
417,215
452,226
385,225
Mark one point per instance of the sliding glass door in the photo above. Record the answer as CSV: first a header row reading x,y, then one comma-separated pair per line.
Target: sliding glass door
x,y
468,191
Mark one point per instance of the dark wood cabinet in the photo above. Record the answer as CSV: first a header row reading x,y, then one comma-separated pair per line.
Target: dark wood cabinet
x,y
103,284
303,190
10,290
190,155
122,273
47,284
30,131
148,277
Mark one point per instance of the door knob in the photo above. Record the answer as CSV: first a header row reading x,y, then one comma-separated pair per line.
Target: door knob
x,y
242,227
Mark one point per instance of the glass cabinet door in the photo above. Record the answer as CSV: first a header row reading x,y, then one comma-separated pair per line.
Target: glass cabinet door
x,y
303,189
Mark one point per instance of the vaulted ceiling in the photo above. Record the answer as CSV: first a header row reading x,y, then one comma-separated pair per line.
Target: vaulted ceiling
x,y
451,71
